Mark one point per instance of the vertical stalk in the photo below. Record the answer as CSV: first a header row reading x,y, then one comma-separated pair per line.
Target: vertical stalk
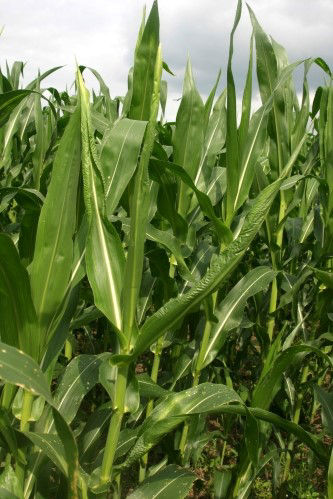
x,y
24,426
150,406
296,417
197,369
274,290
133,272
115,424
8,394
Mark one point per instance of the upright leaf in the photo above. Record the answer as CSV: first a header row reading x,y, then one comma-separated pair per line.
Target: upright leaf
x,y
232,140
189,135
51,267
144,66
104,253
119,155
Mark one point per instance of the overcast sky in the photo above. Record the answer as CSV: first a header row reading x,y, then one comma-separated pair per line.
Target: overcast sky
x,y
102,34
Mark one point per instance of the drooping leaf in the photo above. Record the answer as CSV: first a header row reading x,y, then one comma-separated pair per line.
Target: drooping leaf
x,y
176,308
172,481
230,311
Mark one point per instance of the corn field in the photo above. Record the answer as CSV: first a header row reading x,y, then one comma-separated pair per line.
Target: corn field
x,y
166,287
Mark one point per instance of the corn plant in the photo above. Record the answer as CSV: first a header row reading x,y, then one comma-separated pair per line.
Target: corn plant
x,y
158,277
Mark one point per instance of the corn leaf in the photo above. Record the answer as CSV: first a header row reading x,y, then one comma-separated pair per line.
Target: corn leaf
x,y
172,481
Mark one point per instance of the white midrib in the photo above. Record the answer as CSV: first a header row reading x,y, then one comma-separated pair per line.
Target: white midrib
x,y
244,170
204,156
110,279
167,485
232,308
311,218
10,128
55,246
201,402
208,192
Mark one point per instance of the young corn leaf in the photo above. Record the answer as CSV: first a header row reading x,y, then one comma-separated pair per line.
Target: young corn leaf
x,y
246,102
222,481
252,438
232,151
209,102
144,67
189,136
139,209
267,72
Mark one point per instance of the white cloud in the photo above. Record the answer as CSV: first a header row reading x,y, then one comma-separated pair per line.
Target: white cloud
x,y
102,35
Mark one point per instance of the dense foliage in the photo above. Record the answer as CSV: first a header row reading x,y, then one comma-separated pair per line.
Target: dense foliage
x,y
166,288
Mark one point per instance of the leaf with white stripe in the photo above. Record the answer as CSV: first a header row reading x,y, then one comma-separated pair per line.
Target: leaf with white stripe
x,y
176,408
171,481
105,257
230,310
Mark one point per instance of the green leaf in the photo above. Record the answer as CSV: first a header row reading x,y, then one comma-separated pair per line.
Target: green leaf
x,y
268,385
80,376
204,201
252,438
10,487
246,103
20,369
267,73
173,311
174,409
119,155
8,102
330,478
140,204
144,67
232,151
252,150
188,136
51,267
209,102
105,257
222,480
71,453
172,481
18,316
148,388
230,311
325,399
